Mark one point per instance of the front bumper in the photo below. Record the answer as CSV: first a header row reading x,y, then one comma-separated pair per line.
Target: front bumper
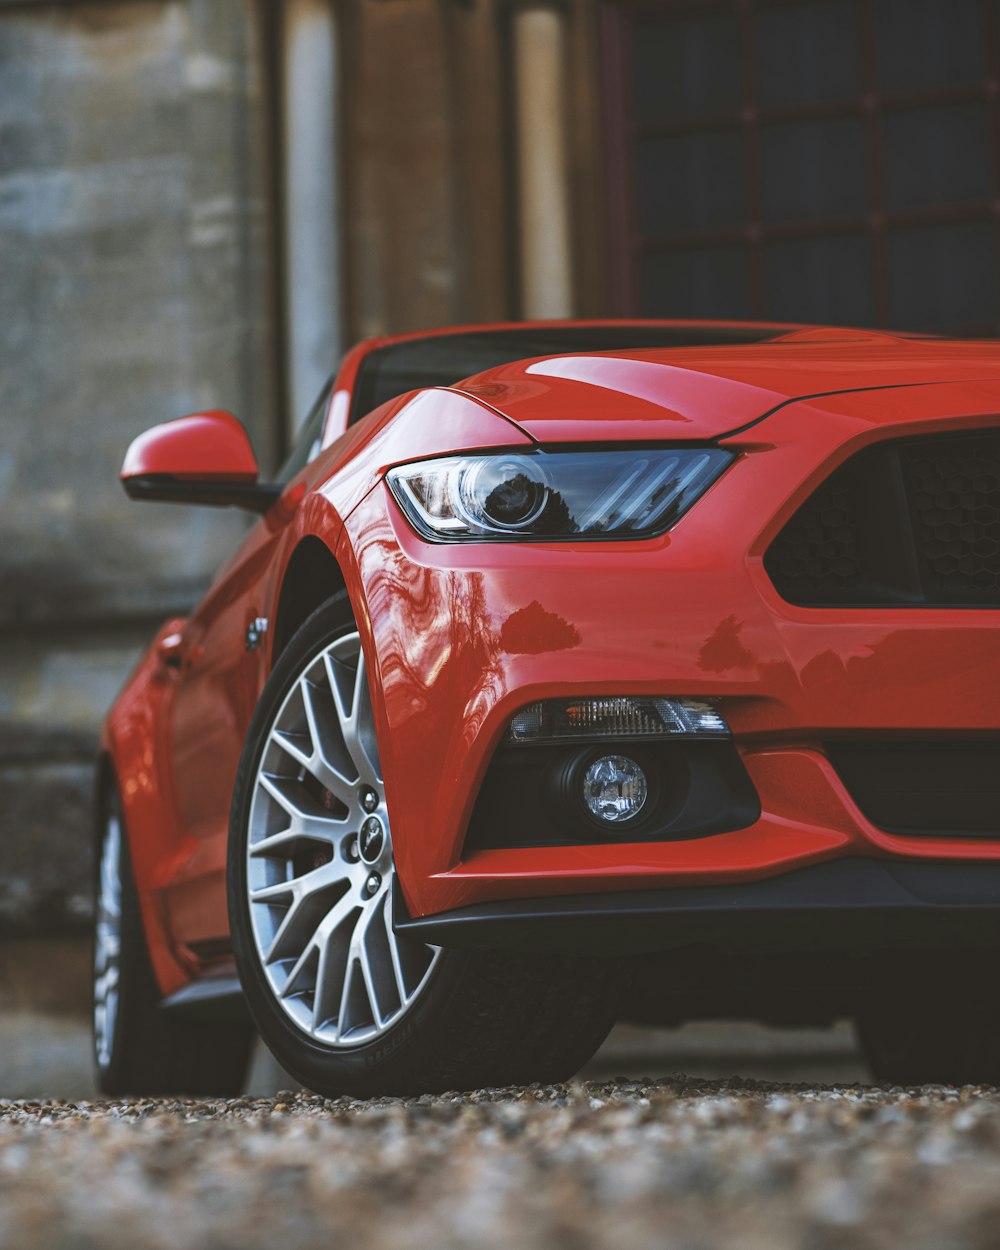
x,y
466,635
843,905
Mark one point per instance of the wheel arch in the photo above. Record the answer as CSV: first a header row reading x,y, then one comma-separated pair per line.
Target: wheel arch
x,y
312,575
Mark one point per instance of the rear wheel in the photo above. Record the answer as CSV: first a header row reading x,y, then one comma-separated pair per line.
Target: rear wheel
x,y
138,1048
346,1004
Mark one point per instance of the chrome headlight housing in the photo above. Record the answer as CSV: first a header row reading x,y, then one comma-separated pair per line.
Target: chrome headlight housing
x,y
554,495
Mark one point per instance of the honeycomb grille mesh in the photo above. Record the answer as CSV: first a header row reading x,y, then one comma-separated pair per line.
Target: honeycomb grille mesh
x,y
821,549
956,505
902,523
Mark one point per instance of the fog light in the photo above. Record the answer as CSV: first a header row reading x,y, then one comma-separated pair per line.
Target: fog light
x,y
615,789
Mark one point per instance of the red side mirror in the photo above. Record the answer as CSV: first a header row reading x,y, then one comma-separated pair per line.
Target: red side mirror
x,y
206,458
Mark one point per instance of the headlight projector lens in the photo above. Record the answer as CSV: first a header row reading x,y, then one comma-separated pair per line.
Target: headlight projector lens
x,y
615,789
504,493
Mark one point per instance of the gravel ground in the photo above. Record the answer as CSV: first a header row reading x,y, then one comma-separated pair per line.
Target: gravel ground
x,y
675,1162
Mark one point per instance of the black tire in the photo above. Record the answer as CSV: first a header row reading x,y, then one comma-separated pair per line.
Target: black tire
x,y
148,1052
480,1020
930,1041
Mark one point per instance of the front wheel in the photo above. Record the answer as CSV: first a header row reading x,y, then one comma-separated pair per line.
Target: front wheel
x,y
345,1003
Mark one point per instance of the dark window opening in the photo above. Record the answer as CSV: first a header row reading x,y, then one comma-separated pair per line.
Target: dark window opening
x,y
821,160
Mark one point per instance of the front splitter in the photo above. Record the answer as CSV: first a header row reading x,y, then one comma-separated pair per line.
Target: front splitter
x,y
843,904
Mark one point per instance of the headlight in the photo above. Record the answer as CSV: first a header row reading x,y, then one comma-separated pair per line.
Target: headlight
x,y
554,494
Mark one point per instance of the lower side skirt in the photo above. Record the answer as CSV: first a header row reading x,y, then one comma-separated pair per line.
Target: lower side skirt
x,y
843,904
218,998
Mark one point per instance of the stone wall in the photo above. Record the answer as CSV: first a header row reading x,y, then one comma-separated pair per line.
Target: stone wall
x,y
134,272
143,275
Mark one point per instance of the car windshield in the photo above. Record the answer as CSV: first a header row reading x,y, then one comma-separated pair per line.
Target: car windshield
x,y
444,359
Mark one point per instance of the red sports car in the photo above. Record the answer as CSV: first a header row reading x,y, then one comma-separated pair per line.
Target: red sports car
x,y
573,671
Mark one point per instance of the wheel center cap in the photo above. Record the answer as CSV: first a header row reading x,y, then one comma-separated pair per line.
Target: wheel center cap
x,y
371,840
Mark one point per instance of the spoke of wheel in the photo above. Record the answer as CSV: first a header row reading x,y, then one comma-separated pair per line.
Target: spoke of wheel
x,y
351,717
291,985
302,886
107,981
303,824
110,906
282,935
322,763
324,934
284,841
345,993
108,941
284,800
334,957
295,918
334,668
397,967
322,975
365,925
289,745
363,725
273,893
319,942
309,707
360,690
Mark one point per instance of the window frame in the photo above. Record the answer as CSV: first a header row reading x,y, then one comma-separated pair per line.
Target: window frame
x,y
307,440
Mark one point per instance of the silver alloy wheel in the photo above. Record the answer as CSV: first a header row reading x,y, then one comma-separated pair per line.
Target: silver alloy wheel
x,y
108,940
319,861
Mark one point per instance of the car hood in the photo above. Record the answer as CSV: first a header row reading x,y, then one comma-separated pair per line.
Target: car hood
x,y
703,394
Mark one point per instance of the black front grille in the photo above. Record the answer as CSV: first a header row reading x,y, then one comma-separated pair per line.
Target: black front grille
x,y
915,522
921,789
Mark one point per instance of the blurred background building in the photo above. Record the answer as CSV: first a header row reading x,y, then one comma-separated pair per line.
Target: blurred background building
x,y
202,202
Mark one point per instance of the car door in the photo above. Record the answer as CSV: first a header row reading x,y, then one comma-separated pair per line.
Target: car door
x,y
220,671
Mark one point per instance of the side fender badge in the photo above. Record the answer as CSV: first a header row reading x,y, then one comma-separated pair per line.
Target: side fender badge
x,y
255,632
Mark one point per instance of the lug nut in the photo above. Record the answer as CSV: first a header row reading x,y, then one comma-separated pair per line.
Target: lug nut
x,y
372,884
369,799
351,852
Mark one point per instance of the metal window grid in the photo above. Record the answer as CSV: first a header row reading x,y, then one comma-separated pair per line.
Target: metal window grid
x,y
624,131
